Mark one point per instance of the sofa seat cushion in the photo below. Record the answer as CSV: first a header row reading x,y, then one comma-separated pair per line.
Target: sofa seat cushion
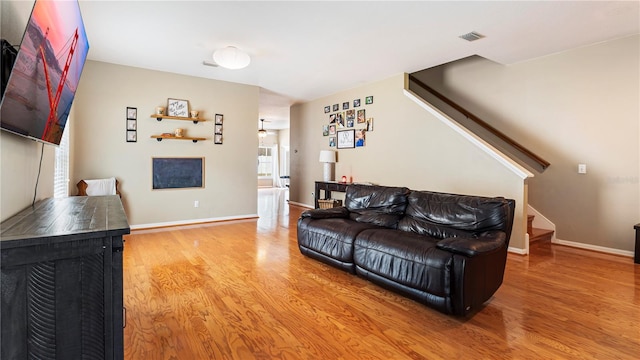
x,y
330,237
406,258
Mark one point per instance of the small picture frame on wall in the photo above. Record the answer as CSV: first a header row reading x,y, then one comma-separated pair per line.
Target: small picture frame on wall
x,y
337,119
368,100
332,129
327,109
370,124
356,103
325,130
361,116
177,107
132,136
345,105
336,107
132,113
360,137
217,139
332,141
218,130
346,139
219,119
340,119
132,125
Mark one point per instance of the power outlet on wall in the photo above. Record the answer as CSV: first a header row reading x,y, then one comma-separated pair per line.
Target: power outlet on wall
x,y
196,204
582,168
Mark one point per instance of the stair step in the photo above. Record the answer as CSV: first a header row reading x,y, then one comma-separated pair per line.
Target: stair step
x,y
540,235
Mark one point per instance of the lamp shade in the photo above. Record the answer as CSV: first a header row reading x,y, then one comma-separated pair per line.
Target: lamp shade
x,y
327,156
231,58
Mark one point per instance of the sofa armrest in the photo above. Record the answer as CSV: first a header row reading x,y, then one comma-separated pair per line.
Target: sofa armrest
x,y
485,243
336,212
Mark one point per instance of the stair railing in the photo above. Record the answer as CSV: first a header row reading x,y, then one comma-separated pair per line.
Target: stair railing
x,y
540,162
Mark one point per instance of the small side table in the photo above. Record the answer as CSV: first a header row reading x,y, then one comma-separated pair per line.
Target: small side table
x,y
636,259
328,187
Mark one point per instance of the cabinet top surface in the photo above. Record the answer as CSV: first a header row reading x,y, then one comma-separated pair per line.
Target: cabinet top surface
x,y
334,182
66,217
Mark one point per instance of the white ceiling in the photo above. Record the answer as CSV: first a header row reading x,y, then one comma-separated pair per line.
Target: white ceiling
x,y
305,50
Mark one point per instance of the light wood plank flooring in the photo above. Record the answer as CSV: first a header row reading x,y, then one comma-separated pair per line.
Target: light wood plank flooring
x,y
242,290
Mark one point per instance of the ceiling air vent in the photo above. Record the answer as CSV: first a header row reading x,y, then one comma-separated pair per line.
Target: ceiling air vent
x,y
472,36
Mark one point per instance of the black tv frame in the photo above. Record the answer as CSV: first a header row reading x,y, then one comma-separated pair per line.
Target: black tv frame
x,y
7,59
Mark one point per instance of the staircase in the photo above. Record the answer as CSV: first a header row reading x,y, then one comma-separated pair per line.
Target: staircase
x,y
537,236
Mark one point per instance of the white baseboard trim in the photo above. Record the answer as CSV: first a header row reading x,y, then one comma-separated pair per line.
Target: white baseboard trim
x,y
597,248
300,204
517,251
192,221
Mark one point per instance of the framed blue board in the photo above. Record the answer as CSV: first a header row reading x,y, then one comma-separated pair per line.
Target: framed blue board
x,y
178,173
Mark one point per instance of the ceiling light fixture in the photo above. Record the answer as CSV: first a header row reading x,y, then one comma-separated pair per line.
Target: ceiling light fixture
x,y
262,132
231,58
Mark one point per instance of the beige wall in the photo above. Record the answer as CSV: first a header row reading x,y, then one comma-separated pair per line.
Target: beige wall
x,y
579,106
20,157
100,150
408,147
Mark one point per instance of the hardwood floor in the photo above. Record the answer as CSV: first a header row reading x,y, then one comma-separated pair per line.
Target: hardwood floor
x,y
242,290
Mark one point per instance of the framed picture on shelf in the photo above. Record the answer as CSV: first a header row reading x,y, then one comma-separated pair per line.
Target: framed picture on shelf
x,y
218,119
132,136
132,113
346,139
218,129
177,107
132,125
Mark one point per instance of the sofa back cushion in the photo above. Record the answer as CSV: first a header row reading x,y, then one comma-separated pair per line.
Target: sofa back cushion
x,y
443,215
378,205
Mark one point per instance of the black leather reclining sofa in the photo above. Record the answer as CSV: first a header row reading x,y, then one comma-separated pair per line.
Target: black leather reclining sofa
x,y
447,251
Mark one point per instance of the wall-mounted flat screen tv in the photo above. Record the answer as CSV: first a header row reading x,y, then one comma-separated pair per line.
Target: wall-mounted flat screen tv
x,y
43,81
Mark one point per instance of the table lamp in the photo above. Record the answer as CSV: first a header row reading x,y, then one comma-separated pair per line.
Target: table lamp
x,y
328,157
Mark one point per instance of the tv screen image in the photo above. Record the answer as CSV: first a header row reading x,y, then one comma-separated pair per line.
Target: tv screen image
x,y
46,72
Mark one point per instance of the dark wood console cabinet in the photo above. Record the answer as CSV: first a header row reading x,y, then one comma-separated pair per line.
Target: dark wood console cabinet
x,y
61,279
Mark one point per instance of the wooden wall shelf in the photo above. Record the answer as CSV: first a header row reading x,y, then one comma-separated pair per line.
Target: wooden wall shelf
x,y
172,137
160,117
